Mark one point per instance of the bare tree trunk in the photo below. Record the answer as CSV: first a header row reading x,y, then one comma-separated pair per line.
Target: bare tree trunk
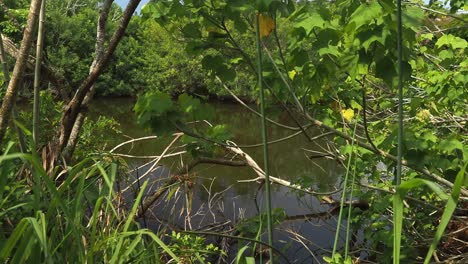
x,y
76,105
37,73
6,76
100,39
20,65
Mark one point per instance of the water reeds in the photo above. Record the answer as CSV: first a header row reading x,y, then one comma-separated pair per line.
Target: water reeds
x,y
77,222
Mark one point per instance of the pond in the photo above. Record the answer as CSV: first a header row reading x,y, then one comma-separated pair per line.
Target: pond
x,y
218,191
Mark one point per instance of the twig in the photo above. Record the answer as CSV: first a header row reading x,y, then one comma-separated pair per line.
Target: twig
x,y
252,110
131,141
156,161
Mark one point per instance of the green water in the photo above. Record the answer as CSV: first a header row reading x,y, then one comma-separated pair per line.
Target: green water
x,y
218,196
288,159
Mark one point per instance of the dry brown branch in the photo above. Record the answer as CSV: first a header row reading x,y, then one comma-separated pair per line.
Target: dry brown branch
x,y
156,161
131,141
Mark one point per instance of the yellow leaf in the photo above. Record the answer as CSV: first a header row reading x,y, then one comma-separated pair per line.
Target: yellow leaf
x,y
266,24
292,74
347,114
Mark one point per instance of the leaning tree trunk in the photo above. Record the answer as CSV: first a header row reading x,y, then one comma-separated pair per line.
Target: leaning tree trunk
x,y
6,77
100,39
77,105
20,65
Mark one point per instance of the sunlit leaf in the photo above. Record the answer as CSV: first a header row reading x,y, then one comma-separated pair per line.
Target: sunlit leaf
x,y
266,24
451,41
292,74
313,20
348,114
365,14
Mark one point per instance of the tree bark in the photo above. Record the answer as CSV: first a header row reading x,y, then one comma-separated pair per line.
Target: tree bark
x,y
75,106
20,65
99,47
6,76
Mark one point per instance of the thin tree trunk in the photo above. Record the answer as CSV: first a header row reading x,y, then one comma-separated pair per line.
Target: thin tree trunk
x,y
20,65
76,106
100,39
6,76
37,73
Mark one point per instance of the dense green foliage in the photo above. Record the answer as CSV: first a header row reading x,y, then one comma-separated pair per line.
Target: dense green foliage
x,y
329,64
333,54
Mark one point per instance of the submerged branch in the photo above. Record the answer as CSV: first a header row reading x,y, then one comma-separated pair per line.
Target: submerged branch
x,y
175,177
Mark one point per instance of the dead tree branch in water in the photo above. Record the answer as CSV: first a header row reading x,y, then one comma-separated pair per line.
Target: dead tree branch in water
x,y
360,143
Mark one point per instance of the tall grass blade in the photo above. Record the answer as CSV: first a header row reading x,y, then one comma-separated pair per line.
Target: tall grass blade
x,y
24,249
343,195
129,221
398,198
15,236
240,253
448,212
249,260
264,138
397,224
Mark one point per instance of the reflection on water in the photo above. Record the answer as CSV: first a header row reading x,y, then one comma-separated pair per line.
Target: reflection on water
x,y
288,161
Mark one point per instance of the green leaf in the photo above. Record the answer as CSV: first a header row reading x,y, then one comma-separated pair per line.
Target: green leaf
x,y
446,54
413,17
379,34
451,41
249,260
385,69
156,9
398,198
450,145
240,253
160,103
188,104
192,30
313,20
217,65
263,5
365,14
332,50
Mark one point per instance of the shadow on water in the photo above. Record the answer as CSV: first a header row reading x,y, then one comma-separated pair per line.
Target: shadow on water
x,y
217,194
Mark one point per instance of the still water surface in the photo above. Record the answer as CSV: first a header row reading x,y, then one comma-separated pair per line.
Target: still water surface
x,y
236,199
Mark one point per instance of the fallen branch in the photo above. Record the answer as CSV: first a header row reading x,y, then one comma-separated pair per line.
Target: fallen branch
x,y
261,174
46,71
